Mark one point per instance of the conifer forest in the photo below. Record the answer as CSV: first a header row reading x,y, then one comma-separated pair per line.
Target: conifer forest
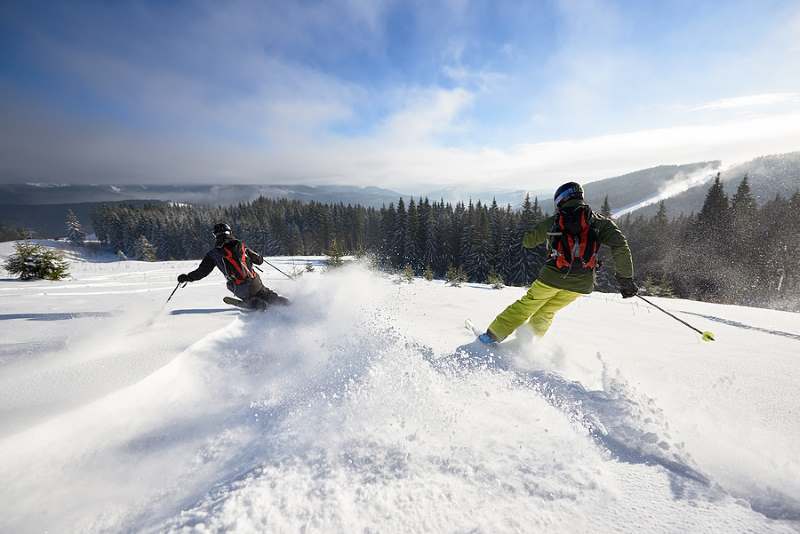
x,y
732,251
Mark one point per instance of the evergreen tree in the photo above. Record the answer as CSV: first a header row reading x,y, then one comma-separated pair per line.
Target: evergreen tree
x,y
143,250
75,233
412,228
31,261
714,216
399,239
494,237
605,209
334,255
295,244
743,214
408,274
476,263
430,250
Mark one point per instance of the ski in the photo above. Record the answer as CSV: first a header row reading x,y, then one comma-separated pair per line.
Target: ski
x,y
470,326
238,303
482,336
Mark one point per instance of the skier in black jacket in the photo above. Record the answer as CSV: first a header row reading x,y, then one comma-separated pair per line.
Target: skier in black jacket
x,y
235,260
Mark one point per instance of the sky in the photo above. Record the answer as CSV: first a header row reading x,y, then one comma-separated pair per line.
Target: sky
x,y
398,94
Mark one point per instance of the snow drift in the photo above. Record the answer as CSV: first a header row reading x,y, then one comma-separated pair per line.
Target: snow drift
x,y
365,406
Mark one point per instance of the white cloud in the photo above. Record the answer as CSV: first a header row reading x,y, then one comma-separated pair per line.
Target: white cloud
x,y
483,80
751,101
406,152
423,114
276,125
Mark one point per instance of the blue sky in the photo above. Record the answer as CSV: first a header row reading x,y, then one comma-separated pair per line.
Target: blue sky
x,y
397,94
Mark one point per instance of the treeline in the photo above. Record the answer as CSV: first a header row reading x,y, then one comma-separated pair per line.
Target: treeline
x,y
482,239
732,251
8,233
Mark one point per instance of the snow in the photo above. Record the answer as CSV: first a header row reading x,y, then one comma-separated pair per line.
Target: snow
x,y
367,406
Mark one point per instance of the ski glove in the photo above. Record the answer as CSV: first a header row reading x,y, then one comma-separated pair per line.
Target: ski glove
x,y
627,287
182,278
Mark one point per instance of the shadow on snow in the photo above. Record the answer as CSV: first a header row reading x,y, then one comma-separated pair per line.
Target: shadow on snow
x,y
52,316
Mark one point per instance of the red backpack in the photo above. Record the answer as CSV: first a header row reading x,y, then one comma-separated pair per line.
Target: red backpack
x,y
573,242
235,255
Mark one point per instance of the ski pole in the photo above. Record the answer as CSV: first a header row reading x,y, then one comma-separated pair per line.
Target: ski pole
x,y
283,273
707,336
174,290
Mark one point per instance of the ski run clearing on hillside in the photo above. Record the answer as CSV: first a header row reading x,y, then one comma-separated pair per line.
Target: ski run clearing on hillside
x,y
366,406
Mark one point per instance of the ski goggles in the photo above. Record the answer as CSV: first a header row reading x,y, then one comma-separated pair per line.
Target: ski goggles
x,y
566,195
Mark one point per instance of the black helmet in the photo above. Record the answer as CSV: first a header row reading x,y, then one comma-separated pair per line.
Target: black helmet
x,y
222,229
566,192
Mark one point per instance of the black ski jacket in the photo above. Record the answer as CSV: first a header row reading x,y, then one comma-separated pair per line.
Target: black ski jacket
x,y
215,258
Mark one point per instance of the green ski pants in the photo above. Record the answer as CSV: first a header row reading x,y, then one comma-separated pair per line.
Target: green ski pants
x,y
537,307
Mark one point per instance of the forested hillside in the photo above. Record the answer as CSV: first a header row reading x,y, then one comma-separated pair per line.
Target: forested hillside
x,y
732,251
768,176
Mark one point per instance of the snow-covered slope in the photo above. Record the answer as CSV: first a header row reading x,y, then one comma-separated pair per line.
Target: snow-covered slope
x,y
366,406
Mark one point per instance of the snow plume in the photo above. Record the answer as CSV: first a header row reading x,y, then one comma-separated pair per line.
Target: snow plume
x,y
678,184
193,422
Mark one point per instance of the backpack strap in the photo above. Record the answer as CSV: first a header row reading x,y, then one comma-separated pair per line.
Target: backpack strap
x,y
574,241
589,239
239,261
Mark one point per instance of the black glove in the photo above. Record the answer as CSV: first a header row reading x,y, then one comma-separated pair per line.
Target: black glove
x,y
183,278
627,287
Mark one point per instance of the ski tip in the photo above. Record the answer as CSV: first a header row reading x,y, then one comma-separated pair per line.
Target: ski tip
x,y
471,328
708,336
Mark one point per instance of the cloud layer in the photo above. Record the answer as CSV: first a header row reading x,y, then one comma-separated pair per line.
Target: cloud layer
x,y
382,93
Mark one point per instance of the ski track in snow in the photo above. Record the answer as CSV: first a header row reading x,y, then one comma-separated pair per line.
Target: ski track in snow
x,y
357,409
737,324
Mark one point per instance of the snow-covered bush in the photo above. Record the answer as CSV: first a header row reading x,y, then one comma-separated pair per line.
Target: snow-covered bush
x,y
334,255
428,273
407,275
144,250
455,276
31,262
495,280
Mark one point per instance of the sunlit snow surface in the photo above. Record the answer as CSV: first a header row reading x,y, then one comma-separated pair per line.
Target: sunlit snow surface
x,y
367,407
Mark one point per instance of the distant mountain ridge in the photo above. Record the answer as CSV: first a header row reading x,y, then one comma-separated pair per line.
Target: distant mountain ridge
x,y
39,194
768,176
622,191
42,207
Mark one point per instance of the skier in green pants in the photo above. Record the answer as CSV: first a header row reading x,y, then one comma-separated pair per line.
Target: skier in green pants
x,y
573,236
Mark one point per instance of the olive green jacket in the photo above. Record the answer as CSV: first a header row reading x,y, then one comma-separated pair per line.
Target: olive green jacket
x,y
582,282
